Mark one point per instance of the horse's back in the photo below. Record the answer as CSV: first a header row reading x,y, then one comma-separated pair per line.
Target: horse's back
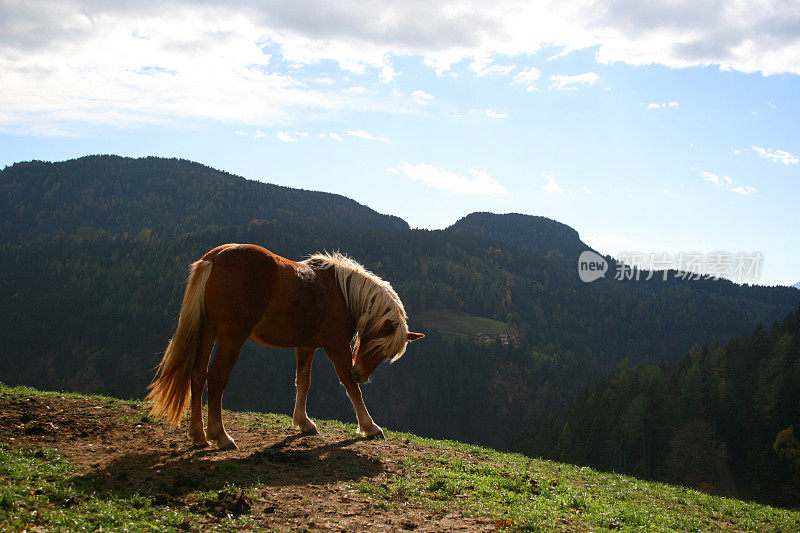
x,y
252,292
241,279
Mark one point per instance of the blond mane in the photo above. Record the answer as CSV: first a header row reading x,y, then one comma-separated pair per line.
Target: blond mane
x,y
371,301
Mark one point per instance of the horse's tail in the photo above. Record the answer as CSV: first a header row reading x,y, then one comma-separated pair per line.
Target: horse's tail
x,y
169,394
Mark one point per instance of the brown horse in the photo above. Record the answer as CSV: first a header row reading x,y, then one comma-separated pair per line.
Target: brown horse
x,y
242,291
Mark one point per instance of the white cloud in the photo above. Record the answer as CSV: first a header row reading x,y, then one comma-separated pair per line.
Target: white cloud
x,y
750,35
388,73
421,97
527,78
335,136
302,134
667,105
710,176
285,137
552,185
361,134
587,190
491,113
393,170
563,82
777,155
480,182
484,66
97,65
727,183
83,61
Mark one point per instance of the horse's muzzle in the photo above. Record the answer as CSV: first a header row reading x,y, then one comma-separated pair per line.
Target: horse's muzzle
x,y
356,376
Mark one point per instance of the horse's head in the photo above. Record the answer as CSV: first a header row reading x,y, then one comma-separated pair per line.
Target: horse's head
x,y
374,347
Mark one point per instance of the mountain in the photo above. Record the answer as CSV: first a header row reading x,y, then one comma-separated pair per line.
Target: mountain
x,y
540,235
89,301
796,285
118,195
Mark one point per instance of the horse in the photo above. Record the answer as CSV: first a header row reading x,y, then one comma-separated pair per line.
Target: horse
x,y
237,292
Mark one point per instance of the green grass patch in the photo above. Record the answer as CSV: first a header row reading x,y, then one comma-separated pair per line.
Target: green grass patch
x,y
39,489
450,321
523,494
22,391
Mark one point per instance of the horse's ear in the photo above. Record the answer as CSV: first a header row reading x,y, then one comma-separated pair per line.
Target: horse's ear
x,y
414,336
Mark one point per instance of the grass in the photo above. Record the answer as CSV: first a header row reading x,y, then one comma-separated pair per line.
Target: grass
x,y
39,489
523,494
450,321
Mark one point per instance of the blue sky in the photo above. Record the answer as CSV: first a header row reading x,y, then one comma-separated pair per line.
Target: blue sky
x,y
647,126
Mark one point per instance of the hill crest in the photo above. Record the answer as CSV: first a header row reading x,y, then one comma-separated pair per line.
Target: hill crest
x,y
538,234
75,462
117,195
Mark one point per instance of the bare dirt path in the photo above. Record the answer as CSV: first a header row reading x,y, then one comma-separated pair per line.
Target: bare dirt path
x,y
290,482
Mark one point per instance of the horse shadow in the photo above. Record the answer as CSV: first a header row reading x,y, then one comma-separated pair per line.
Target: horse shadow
x,y
178,473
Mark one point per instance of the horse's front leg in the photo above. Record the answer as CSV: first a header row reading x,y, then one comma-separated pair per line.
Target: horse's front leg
x,y
342,362
300,419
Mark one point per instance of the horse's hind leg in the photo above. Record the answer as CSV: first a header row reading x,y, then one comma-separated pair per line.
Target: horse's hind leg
x,y
300,418
218,375
196,431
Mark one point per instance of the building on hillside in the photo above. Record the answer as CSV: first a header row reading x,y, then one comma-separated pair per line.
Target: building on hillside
x,y
507,339
481,338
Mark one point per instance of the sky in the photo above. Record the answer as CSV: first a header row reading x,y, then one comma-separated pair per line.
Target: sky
x,y
652,128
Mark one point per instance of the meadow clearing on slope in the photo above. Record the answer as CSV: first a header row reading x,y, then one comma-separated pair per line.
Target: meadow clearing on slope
x,y
82,463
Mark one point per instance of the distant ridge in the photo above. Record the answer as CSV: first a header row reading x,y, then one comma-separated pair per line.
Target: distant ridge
x,y
116,195
796,285
538,234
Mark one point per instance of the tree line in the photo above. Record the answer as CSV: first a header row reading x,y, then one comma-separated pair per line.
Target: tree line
x,y
725,418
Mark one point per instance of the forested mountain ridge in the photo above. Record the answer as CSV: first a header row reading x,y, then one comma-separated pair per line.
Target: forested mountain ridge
x,y
116,195
540,235
724,418
91,307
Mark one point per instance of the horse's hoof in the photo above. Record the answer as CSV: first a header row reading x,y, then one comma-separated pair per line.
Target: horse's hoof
x,y
228,446
306,427
377,436
375,433
198,445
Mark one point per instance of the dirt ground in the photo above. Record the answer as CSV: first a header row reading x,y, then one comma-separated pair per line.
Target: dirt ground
x,y
303,481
